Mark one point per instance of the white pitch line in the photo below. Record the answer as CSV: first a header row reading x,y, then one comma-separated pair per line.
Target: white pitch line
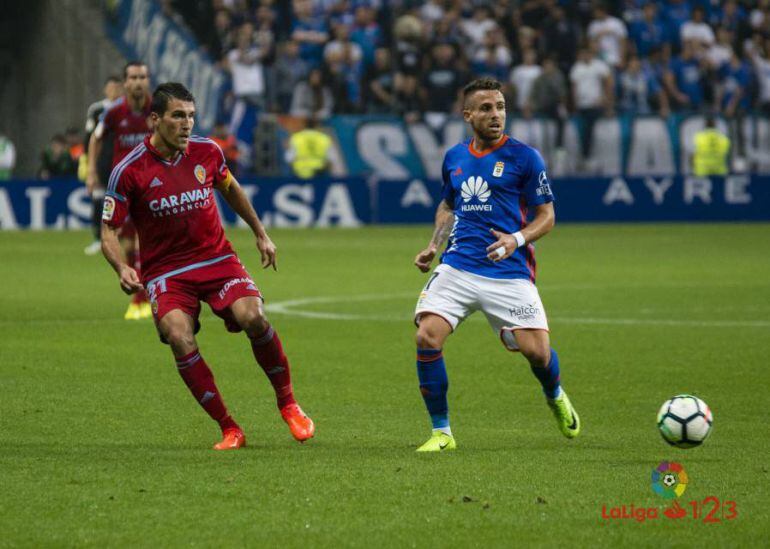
x,y
289,307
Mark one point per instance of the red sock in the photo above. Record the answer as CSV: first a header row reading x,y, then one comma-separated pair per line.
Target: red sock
x,y
132,258
199,379
269,353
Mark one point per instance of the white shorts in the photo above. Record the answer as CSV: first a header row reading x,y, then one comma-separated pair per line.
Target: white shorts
x,y
508,304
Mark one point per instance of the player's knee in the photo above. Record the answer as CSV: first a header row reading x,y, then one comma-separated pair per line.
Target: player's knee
x,y
253,321
538,355
427,339
179,337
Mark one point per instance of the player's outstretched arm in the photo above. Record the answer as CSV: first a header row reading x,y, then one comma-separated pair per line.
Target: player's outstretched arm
x,y
445,219
239,202
129,280
541,225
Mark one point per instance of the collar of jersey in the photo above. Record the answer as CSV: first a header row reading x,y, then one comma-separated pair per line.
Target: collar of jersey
x,y
496,146
160,157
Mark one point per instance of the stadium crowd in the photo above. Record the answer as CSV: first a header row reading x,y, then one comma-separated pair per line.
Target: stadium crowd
x,y
406,57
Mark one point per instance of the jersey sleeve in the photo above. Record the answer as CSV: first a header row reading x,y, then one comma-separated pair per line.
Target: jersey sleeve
x,y
222,176
447,191
537,187
116,199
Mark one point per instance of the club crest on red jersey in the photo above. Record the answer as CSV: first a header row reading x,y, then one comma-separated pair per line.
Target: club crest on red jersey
x,y
200,174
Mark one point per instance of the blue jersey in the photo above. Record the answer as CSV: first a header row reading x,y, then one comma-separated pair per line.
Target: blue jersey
x,y
492,190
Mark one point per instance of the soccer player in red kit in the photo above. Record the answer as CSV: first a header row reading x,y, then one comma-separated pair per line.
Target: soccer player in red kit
x,y
127,123
166,184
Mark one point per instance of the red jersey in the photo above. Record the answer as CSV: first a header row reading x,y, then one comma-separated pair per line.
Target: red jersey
x,y
172,205
128,128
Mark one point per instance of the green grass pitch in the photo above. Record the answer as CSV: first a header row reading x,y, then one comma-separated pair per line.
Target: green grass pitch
x,y
101,444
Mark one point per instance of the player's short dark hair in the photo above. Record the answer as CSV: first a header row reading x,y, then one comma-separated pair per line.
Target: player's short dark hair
x,y
167,91
134,63
113,78
480,84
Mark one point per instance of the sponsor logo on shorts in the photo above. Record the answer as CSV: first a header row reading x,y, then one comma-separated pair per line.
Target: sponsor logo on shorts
x,y
233,282
109,208
525,312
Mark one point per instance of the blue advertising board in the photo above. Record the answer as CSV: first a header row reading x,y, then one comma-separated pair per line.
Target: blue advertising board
x,y
351,202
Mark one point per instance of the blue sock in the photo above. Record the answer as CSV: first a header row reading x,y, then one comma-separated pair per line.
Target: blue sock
x,y
433,385
549,376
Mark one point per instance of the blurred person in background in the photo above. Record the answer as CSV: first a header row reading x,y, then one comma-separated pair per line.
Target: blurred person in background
x,y
378,85
113,88
493,58
229,145
548,98
220,39
311,33
522,78
711,150
762,71
684,79
610,35
76,149
343,60
245,64
638,89
560,38
443,82
127,120
366,32
697,32
56,160
593,93
312,97
308,151
648,33
289,70
733,97
7,157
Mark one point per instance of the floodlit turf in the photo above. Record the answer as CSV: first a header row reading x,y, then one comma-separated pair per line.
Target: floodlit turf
x,y
101,444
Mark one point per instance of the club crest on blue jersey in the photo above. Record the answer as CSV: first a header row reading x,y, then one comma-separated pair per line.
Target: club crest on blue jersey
x,y
200,174
498,171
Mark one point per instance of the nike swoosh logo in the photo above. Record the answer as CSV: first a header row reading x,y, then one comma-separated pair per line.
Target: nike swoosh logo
x,y
442,446
574,422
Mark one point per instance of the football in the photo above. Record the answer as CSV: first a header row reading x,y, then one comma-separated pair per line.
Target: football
x,y
684,421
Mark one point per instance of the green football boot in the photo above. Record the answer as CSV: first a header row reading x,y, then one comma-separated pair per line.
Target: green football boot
x,y
565,414
438,442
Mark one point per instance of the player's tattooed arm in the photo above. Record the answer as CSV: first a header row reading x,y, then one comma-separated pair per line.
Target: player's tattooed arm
x,y
129,280
239,202
445,219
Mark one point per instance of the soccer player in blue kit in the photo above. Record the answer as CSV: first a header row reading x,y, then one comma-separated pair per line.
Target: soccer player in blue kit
x,y
489,183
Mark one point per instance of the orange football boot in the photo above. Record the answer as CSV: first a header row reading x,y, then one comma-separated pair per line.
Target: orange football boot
x,y
232,439
301,426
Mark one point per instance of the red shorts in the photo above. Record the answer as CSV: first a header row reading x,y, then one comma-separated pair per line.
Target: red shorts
x,y
219,285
